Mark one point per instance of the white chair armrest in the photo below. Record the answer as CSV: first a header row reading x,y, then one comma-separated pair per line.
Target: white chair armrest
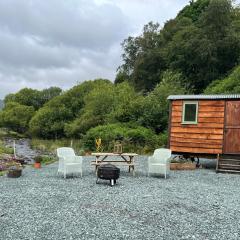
x,y
150,159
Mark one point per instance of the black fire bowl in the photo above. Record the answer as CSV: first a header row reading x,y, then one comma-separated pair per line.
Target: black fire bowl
x,y
108,172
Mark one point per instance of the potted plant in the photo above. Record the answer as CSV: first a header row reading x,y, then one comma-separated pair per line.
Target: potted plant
x,y
182,163
37,161
14,171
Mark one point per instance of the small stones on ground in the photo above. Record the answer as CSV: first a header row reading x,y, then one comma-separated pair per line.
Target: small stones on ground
x,y
189,205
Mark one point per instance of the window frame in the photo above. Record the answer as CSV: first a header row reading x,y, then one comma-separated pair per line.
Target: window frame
x,y
183,112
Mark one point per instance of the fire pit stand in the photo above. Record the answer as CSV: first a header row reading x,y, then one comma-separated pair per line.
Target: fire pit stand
x,y
108,172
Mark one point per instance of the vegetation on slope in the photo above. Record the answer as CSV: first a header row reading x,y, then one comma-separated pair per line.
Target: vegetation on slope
x,y
186,56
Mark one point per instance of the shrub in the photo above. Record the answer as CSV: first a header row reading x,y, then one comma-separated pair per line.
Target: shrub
x,y
134,137
45,159
5,150
38,159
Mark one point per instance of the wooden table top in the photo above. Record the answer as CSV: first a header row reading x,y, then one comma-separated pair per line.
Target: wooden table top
x,y
114,154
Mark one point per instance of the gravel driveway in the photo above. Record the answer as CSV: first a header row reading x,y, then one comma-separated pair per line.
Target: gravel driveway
x,y
189,205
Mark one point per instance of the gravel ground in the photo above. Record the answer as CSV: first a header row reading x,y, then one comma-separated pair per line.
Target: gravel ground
x,y
189,205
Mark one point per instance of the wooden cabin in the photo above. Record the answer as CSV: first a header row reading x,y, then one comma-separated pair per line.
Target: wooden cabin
x,y
205,124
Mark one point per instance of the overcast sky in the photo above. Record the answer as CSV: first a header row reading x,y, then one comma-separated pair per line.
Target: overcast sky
x,y
63,42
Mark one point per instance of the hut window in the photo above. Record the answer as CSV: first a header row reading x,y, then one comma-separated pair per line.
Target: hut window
x,y
190,112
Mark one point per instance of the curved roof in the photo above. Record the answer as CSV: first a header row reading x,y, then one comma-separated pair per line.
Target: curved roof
x,y
207,97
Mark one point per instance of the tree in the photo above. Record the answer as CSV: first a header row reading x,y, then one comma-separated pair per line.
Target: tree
x,y
199,45
97,103
16,117
142,60
33,97
107,104
50,120
48,94
194,10
156,106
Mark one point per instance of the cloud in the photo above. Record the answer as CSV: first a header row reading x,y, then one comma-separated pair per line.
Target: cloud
x,y
61,43
58,22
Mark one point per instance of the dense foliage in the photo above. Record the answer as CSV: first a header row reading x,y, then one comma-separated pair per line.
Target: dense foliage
x,y
230,84
32,97
202,43
1,104
197,52
133,137
16,116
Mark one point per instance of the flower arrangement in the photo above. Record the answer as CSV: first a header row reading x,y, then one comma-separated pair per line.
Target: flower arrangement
x,y
98,142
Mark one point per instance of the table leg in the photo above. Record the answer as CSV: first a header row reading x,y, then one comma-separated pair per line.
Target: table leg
x,y
133,170
132,162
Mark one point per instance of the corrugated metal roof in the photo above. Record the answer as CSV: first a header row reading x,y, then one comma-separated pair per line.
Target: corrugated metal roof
x,y
193,97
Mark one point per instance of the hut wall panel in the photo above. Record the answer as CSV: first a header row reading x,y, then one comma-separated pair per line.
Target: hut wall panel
x,y
197,136
200,125
195,150
197,140
195,144
196,130
204,137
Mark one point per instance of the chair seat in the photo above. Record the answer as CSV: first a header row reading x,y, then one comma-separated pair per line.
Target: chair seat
x,y
72,164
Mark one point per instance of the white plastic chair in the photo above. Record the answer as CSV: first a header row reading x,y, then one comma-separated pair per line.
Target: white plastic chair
x,y
159,163
69,163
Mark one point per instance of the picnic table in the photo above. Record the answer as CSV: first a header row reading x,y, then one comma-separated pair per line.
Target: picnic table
x,y
127,159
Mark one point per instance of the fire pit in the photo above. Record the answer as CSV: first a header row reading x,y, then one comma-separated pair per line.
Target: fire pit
x,y
108,172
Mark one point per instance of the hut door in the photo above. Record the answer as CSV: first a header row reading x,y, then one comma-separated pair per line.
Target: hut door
x,y
232,128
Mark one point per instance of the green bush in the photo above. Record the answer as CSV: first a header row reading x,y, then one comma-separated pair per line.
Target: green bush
x,y
16,117
5,150
38,159
134,137
228,85
45,159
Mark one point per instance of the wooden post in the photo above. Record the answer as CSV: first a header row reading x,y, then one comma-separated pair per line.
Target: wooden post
x,y
14,149
71,143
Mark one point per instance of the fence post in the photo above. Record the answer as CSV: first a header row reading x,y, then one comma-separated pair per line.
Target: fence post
x,y
14,149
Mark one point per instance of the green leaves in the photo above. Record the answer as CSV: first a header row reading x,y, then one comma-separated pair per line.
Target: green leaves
x,y
230,84
16,116
134,137
202,43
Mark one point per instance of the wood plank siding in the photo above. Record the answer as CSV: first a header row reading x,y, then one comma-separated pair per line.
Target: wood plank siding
x,y
204,137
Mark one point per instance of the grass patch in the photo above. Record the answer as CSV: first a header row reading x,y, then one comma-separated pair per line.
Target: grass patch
x,y
2,173
8,133
52,145
5,150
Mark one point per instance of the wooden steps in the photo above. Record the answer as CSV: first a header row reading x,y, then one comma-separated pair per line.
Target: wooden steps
x,y
228,164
